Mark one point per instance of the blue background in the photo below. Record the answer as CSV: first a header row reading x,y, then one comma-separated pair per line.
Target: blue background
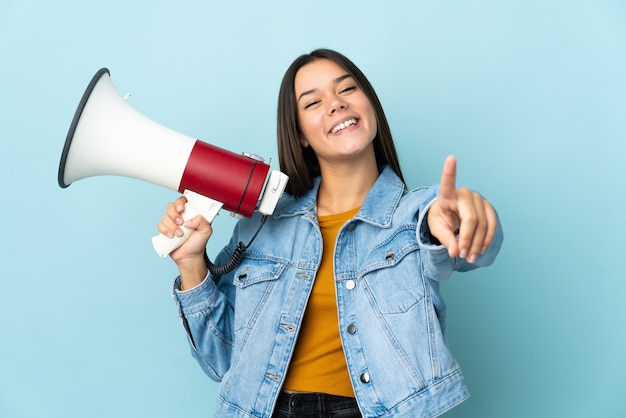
x,y
529,95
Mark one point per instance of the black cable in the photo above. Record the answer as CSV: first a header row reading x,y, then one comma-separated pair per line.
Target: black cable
x,y
236,258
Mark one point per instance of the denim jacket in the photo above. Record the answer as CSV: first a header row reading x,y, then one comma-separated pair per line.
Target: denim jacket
x,y
243,326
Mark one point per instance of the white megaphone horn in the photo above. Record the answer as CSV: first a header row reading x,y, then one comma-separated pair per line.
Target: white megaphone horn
x,y
108,137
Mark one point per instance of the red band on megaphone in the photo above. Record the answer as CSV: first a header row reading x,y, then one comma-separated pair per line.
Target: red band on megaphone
x,y
235,180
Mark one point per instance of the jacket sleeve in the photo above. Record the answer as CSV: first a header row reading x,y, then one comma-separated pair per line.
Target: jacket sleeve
x,y
437,264
207,312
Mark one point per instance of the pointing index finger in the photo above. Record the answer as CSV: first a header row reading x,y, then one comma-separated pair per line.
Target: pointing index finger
x,y
447,184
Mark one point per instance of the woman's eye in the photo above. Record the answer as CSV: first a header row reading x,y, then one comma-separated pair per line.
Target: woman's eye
x,y
348,89
311,104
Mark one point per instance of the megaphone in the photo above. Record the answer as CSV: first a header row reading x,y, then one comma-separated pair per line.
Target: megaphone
x,y
108,137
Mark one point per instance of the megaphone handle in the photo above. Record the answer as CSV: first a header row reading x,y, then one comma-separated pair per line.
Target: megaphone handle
x,y
196,204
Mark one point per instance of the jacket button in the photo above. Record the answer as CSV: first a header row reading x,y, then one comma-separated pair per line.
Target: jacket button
x,y
351,329
350,284
365,377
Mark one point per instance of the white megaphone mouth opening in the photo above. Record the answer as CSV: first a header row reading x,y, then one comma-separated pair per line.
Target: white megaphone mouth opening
x,y
77,115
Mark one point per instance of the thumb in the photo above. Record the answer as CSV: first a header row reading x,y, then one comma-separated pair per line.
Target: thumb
x,y
198,223
443,232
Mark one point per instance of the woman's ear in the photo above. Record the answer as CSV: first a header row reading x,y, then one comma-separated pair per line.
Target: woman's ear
x,y
304,142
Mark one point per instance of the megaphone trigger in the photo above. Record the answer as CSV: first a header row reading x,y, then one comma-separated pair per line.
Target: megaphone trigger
x,y
197,204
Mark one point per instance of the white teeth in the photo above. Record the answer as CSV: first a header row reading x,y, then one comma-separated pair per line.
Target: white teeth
x,y
343,125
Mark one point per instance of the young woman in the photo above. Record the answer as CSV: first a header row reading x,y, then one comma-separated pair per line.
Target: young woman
x,y
335,310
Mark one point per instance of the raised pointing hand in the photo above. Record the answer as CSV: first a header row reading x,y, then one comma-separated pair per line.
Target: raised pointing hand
x,y
461,219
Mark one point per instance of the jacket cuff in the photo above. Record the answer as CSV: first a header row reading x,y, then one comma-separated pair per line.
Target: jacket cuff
x,y
197,298
424,237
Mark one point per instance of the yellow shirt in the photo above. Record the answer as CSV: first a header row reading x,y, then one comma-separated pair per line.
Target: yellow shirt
x,y
318,363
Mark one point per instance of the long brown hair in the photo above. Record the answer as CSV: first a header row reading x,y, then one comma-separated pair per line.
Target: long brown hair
x,y
300,163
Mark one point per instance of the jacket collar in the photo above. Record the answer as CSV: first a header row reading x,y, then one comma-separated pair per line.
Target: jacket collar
x,y
377,209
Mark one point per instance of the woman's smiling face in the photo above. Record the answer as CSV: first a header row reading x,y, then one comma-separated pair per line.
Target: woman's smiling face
x,y
335,116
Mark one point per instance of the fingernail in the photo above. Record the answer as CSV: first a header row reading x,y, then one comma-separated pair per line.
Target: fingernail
x,y
179,221
179,232
463,253
169,235
471,259
484,250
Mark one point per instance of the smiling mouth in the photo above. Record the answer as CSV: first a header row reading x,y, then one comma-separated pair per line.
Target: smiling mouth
x,y
343,125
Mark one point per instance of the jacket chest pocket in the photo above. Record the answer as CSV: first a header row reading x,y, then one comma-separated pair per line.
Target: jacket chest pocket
x,y
254,280
393,280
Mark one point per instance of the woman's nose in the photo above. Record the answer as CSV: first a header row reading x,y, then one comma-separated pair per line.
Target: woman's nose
x,y
337,105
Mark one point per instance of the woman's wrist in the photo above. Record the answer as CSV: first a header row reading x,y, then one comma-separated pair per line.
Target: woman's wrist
x,y
192,272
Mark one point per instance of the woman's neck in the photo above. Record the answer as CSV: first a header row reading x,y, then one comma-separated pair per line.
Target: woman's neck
x,y
344,187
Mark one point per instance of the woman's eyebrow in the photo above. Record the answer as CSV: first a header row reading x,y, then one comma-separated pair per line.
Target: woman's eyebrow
x,y
343,77
335,81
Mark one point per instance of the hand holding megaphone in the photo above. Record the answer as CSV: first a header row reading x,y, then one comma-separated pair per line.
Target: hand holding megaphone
x,y
108,137
196,205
